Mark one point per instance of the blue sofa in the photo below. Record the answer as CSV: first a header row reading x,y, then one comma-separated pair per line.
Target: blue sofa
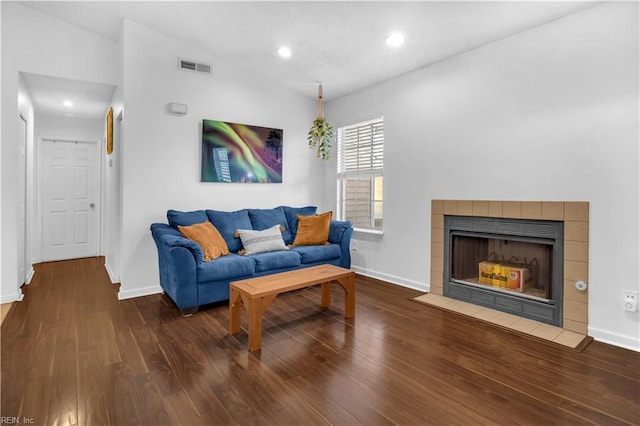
x,y
192,282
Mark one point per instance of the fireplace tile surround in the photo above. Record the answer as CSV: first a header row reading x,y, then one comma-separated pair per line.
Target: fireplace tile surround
x,y
574,214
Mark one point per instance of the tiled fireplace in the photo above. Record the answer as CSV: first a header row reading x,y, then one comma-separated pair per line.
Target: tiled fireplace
x,y
473,218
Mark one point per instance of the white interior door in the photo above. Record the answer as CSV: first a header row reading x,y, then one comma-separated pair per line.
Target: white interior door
x,y
69,196
22,202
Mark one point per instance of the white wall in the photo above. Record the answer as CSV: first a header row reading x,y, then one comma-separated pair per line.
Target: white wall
x,y
37,43
113,177
161,152
113,193
548,114
69,127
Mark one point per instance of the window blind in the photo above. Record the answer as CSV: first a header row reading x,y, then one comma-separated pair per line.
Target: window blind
x,y
361,149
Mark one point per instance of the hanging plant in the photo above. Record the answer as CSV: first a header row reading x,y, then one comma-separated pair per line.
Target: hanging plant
x,y
321,133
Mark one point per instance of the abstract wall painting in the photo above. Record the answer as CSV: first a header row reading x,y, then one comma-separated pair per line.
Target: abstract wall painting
x,y
240,153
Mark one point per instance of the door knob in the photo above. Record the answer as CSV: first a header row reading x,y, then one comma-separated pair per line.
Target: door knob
x,y
92,205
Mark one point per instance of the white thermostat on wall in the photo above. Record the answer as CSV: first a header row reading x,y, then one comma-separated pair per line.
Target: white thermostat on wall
x,y
179,109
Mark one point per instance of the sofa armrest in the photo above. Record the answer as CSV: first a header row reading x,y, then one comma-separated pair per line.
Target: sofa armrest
x,y
180,281
178,258
165,234
340,233
338,229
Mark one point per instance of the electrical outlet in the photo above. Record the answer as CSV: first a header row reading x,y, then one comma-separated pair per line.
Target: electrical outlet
x,y
630,300
354,245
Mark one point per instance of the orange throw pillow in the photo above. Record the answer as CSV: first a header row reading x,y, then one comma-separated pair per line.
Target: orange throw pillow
x,y
208,237
313,230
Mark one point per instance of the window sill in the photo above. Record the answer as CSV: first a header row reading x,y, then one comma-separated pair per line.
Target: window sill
x,y
368,231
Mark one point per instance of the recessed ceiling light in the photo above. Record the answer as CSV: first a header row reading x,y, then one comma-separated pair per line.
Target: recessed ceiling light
x,y
395,40
284,51
68,104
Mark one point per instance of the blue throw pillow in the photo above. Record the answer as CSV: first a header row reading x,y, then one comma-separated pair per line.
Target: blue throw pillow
x,y
265,218
291,213
227,223
177,218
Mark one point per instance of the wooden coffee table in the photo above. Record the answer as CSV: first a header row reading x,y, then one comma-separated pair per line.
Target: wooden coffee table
x,y
256,294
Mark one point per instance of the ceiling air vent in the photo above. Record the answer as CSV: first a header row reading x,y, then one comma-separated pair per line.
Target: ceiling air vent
x,y
187,65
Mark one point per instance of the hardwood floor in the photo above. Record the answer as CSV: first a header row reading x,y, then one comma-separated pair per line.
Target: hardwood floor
x,y
73,354
4,310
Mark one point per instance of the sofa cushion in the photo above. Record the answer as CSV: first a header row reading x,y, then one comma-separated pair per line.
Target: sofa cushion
x,y
226,268
275,260
207,237
267,240
313,254
313,230
227,223
266,218
177,218
291,213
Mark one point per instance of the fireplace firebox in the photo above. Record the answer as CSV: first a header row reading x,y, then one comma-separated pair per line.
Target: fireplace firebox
x,y
511,265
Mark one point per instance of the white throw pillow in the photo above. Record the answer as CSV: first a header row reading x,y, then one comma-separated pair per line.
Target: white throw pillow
x,y
266,240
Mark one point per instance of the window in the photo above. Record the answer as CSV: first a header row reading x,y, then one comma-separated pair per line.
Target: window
x,y
360,174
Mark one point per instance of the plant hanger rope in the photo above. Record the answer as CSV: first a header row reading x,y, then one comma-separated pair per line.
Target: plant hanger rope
x,y
320,102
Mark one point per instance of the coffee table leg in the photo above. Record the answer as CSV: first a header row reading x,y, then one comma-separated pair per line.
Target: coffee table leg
x,y
325,298
255,310
349,285
255,324
234,311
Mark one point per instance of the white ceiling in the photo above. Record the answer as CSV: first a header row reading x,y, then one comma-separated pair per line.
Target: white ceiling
x,y
89,100
338,43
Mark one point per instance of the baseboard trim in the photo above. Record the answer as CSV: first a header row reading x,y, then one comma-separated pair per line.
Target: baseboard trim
x,y
8,298
113,277
393,279
615,339
138,292
30,275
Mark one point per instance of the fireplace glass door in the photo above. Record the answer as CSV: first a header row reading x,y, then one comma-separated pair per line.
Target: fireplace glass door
x,y
522,268
511,265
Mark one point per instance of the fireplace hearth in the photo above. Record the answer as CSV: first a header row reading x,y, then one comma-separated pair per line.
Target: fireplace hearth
x,y
511,265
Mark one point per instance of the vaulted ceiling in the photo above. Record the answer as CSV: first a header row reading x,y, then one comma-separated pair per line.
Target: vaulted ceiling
x,y
341,44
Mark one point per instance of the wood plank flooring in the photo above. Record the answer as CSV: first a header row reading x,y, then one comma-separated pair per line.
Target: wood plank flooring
x,y
4,310
72,354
